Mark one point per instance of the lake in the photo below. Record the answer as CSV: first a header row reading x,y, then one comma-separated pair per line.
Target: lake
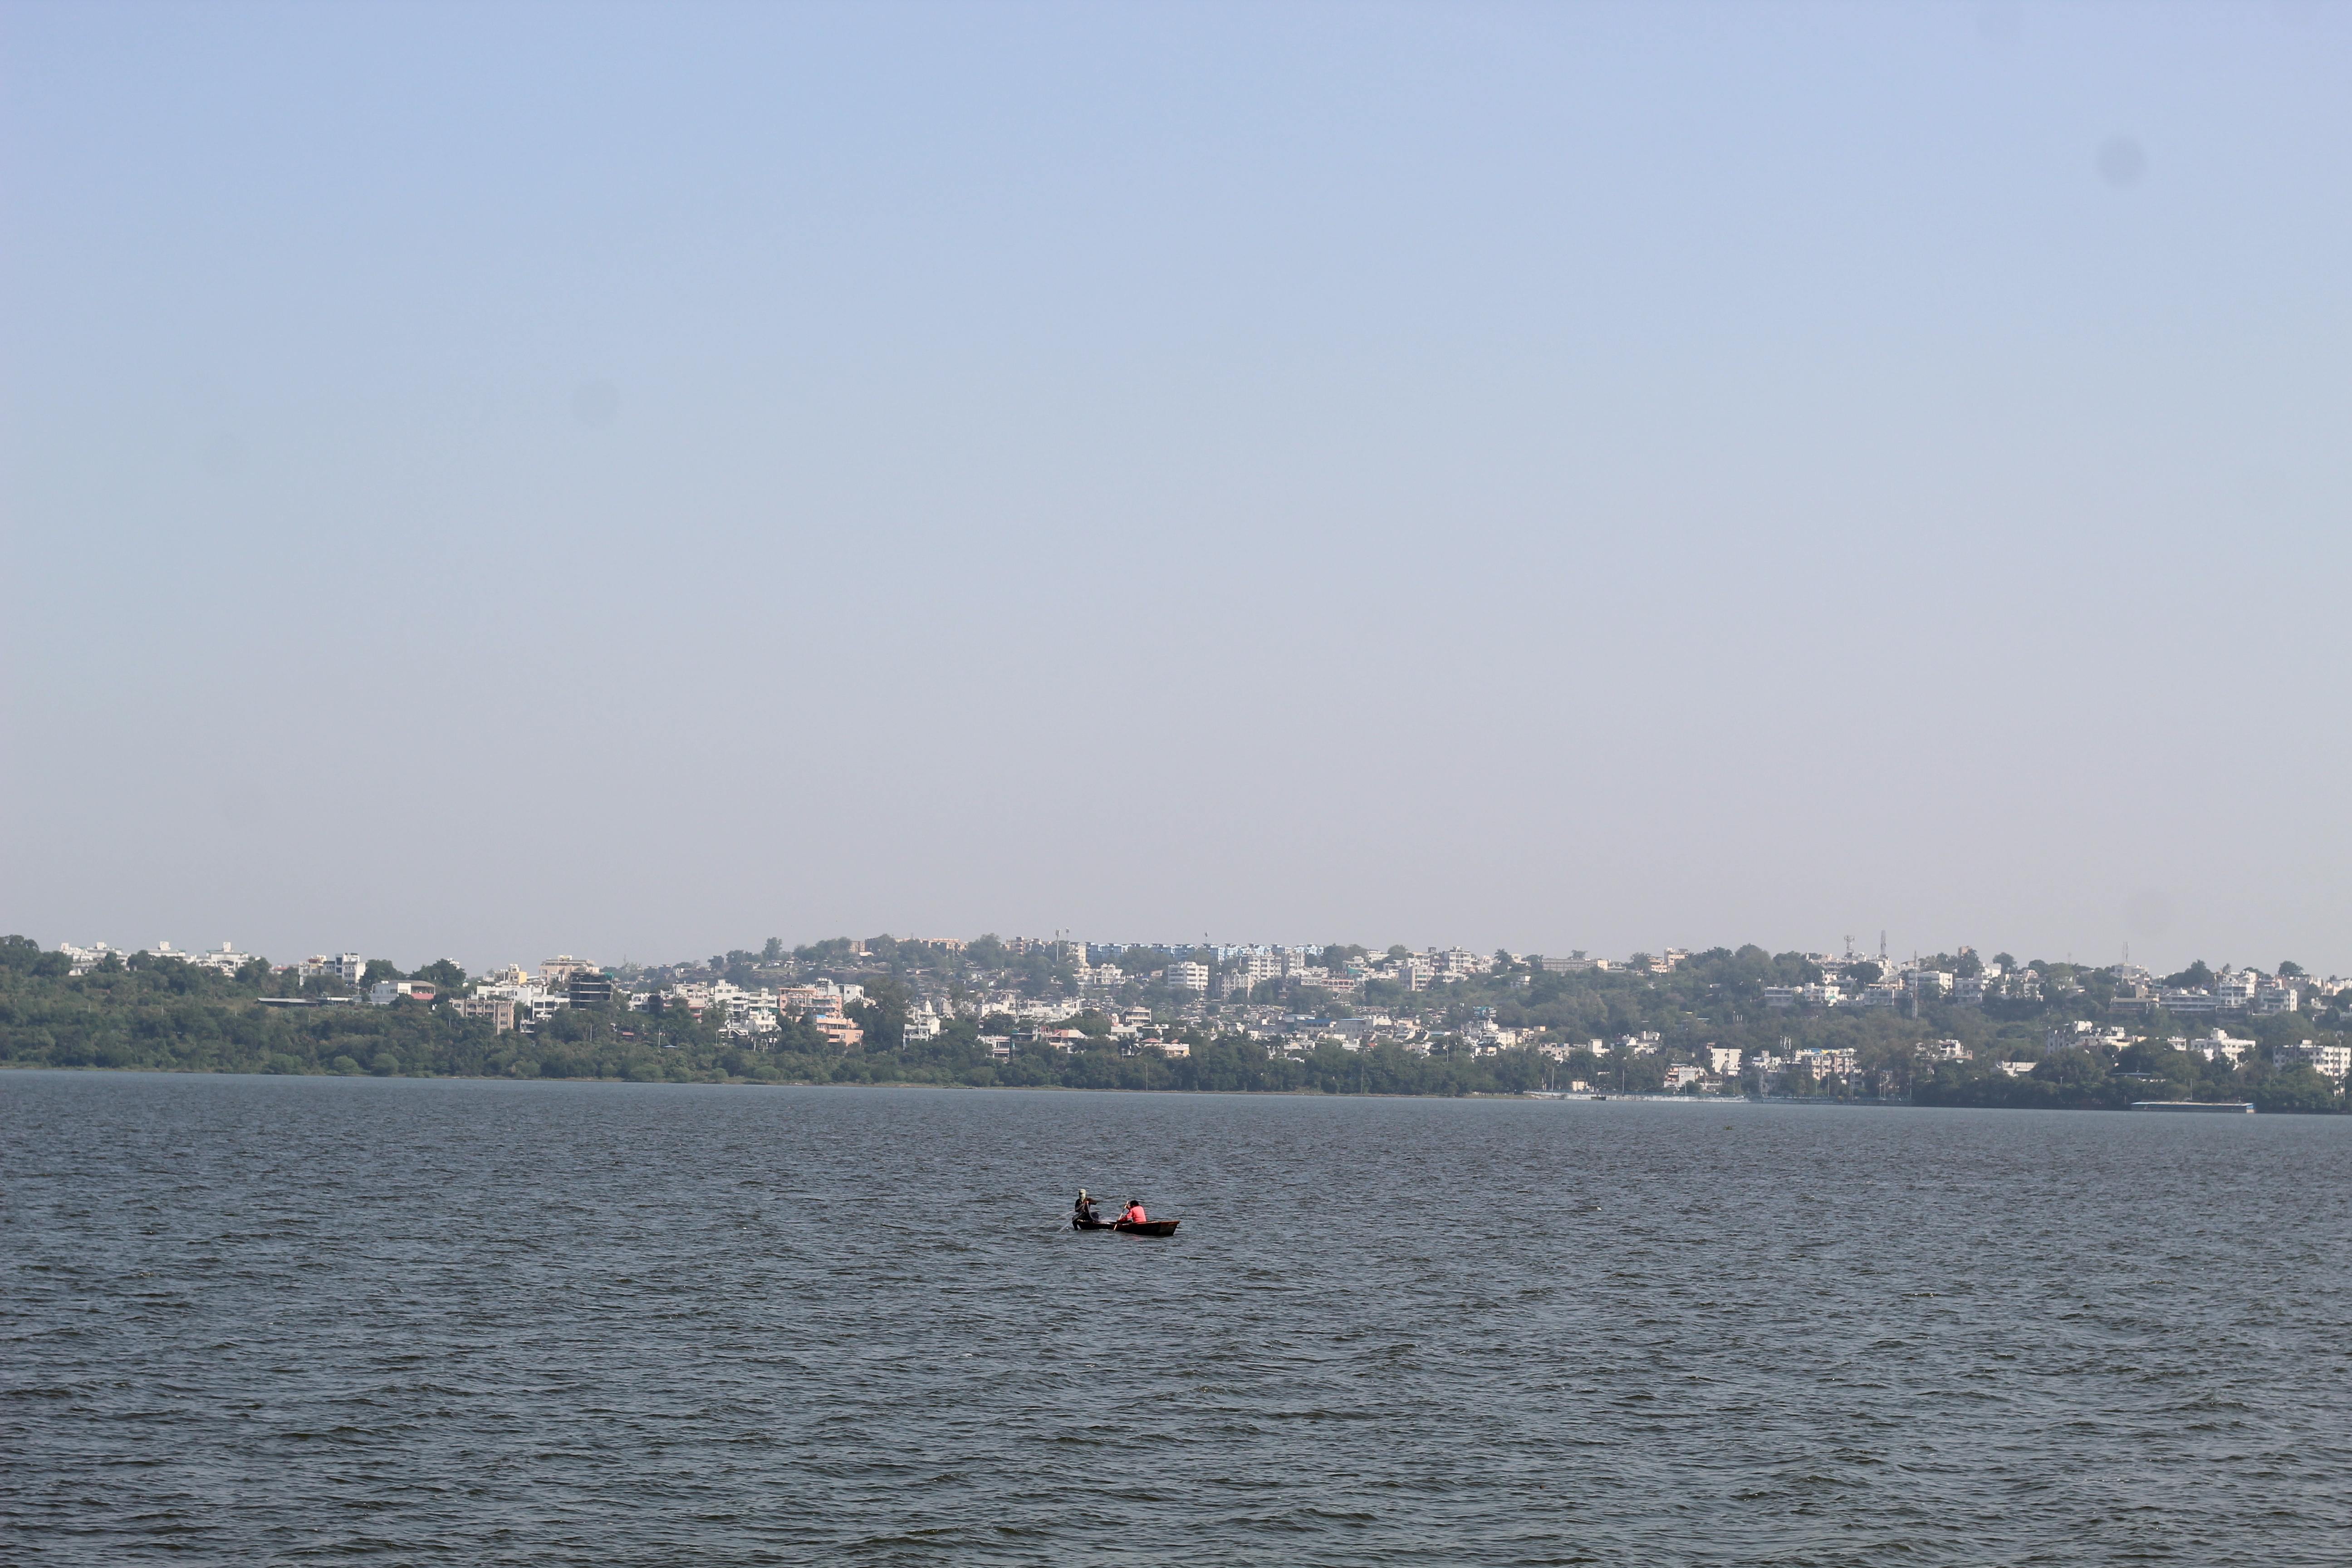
x,y
276,1320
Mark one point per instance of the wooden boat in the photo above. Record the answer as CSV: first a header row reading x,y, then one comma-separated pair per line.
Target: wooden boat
x,y
1148,1228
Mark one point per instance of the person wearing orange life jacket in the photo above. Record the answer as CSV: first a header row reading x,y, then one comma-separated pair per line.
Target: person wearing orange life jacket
x,y
1134,1214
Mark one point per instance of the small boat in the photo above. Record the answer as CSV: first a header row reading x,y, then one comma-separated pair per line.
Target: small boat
x,y
1148,1228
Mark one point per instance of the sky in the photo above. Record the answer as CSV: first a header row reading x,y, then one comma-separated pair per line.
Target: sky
x,y
633,480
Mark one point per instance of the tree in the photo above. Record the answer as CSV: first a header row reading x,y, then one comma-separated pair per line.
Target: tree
x,y
2299,1088
2197,976
444,973
773,953
379,969
2290,970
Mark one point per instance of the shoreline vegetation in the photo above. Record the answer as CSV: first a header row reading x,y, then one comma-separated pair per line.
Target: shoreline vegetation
x,y
162,1013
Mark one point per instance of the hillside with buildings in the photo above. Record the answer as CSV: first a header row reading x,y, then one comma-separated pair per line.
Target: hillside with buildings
x,y
1947,1028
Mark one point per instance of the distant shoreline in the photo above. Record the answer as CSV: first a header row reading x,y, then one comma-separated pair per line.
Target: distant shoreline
x,y
1823,1102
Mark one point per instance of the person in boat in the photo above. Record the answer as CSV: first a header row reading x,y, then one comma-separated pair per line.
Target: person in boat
x,y
1084,1209
1134,1214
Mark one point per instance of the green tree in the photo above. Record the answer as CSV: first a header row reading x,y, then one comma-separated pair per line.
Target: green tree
x,y
2298,1089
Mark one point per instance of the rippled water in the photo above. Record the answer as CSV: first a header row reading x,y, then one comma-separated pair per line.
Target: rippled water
x,y
264,1320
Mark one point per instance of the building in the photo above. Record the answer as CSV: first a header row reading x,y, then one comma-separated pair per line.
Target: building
x,y
836,1028
228,961
1188,976
589,988
2334,1061
1680,1075
347,967
1250,969
2217,1047
556,973
1457,963
497,1009
1923,983
2272,998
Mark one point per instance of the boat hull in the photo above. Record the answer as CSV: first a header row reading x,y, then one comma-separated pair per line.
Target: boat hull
x,y
1148,1228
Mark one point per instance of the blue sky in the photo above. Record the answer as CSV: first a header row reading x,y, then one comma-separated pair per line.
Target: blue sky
x,y
641,480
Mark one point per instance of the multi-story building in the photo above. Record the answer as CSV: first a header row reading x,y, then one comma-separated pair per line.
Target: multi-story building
x,y
2334,1061
499,1010
2217,1047
346,967
1926,983
1188,976
2272,998
556,973
1457,963
2234,989
226,961
1246,970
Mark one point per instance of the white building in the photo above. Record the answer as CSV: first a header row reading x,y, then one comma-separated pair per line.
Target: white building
x,y
2216,1046
2272,998
2334,1060
1189,976
227,960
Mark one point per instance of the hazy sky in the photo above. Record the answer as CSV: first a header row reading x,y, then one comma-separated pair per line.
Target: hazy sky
x,y
634,481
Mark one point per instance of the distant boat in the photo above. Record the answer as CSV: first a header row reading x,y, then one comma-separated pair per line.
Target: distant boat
x,y
2227,1107
1148,1228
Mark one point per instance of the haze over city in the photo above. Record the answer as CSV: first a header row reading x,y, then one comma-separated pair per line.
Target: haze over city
x,y
636,481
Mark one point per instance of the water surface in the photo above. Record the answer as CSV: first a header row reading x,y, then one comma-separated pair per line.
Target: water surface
x,y
261,1320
